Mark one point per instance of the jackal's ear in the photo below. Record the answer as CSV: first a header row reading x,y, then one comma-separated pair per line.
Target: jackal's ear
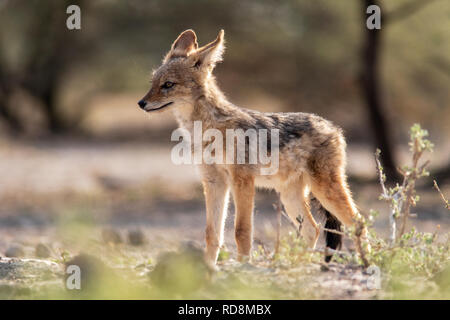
x,y
209,55
185,44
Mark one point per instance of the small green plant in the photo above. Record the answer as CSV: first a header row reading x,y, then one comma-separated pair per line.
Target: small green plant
x,y
403,196
223,255
408,256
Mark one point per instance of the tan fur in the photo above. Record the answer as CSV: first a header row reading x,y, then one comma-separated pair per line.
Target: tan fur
x,y
312,149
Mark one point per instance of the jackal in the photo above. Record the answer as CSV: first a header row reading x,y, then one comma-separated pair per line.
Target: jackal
x,y
311,150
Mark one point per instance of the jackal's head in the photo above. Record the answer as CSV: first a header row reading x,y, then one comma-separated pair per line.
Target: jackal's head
x,y
183,75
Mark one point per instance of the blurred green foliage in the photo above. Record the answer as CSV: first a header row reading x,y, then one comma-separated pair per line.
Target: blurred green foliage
x,y
295,55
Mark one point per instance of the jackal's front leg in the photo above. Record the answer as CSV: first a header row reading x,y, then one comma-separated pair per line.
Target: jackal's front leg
x,y
216,196
243,194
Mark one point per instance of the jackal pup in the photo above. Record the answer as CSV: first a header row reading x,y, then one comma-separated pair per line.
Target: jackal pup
x,y
311,150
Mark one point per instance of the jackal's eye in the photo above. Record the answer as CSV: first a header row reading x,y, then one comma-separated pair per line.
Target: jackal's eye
x,y
167,85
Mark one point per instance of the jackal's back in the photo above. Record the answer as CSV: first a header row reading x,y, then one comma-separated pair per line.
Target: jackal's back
x,y
307,142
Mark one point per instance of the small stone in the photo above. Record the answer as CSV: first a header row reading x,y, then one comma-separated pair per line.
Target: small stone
x,y
92,271
14,251
136,237
42,251
181,272
324,268
110,235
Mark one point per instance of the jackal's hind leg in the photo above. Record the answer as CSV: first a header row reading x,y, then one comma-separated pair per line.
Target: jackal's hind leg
x,y
334,195
295,201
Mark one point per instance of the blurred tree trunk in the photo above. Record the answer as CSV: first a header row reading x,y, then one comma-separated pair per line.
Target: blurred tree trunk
x,y
9,117
6,86
49,54
51,49
371,84
6,114
372,93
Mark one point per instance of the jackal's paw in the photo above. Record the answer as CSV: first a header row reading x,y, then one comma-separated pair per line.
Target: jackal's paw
x,y
212,266
211,262
367,246
243,258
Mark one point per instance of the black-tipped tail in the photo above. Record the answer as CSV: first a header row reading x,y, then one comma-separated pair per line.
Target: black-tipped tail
x,y
332,240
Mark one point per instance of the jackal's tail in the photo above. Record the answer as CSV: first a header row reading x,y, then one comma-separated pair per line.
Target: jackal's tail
x,y
332,240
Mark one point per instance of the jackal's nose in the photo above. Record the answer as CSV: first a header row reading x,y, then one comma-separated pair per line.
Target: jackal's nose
x,y
142,104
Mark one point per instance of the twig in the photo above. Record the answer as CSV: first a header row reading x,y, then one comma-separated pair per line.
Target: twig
x,y
407,207
380,173
358,242
259,242
279,213
332,231
447,204
409,182
292,224
387,197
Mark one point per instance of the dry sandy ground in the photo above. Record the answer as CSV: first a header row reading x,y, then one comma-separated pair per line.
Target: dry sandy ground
x,y
35,277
